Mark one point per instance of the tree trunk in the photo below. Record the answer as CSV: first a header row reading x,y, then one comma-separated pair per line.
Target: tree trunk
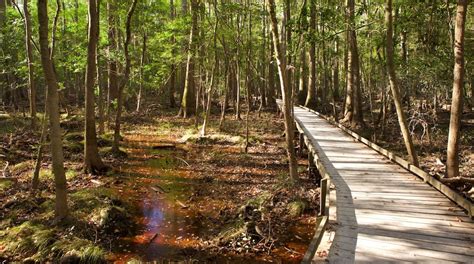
x,y
61,208
353,105
271,78
394,85
29,57
188,100
128,36
213,76
112,82
142,63
286,94
172,83
452,163
92,161
311,97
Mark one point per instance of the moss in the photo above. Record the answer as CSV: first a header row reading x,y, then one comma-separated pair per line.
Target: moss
x,y
77,250
27,238
46,174
259,200
297,208
71,174
162,163
5,185
22,166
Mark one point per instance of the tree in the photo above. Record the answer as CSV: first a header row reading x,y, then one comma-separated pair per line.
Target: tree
x,y
311,97
452,163
128,37
92,161
61,208
402,121
188,98
353,111
29,59
285,91
112,83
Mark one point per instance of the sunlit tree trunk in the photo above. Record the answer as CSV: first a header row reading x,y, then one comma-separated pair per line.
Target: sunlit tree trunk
x,y
311,97
61,207
92,161
188,98
285,91
112,82
452,163
172,83
142,63
29,59
353,105
394,85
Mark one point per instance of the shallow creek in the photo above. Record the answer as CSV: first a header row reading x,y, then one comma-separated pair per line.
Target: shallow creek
x,y
159,182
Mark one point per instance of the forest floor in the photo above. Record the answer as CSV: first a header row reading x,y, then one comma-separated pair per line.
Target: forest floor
x,y
175,196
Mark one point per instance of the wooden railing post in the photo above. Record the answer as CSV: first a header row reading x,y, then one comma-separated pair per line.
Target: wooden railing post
x,y
323,206
301,144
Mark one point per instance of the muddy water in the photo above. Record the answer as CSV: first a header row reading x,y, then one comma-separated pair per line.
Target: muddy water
x,y
159,182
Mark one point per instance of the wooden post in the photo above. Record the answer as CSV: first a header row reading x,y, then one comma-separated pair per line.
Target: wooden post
x,y
301,144
323,206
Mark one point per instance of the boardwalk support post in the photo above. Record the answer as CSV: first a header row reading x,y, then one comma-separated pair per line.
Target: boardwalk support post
x,y
301,144
324,196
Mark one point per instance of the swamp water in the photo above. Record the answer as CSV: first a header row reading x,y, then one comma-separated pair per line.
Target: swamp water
x,y
160,183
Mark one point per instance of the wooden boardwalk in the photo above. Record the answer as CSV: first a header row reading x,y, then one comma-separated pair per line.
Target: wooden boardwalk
x,y
380,212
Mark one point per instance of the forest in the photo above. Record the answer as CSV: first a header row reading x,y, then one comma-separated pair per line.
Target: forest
x,y
164,130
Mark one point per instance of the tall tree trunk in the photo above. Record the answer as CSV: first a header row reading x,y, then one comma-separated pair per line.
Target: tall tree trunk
x,y
142,63
128,37
452,163
311,97
29,58
394,85
353,106
172,83
189,93
271,78
61,208
213,76
92,161
335,72
112,76
302,84
286,93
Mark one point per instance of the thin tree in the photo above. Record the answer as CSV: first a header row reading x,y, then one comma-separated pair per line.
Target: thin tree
x,y
112,82
128,37
452,163
394,85
61,208
188,98
285,91
29,58
213,76
92,161
311,96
